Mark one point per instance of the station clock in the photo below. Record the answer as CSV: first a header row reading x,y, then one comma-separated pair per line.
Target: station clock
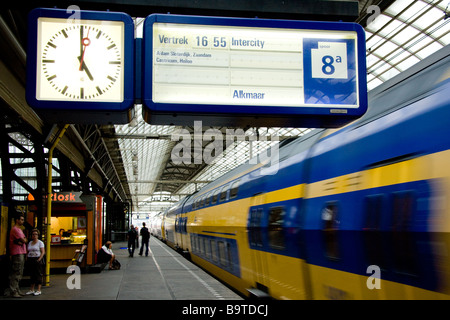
x,y
84,64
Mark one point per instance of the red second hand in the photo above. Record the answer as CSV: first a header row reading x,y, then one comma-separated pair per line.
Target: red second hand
x,y
86,42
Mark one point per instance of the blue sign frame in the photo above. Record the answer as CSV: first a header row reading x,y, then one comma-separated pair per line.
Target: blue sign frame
x,y
82,111
239,115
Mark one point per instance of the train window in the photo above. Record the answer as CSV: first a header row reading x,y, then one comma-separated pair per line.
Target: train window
x,y
373,210
255,229
208,248
206,200
276,233
214,250
330,226
234,189
222,253
202,202
372,236
404,243
215,196
403,206
194,242
229,255
184,225
223,194
202,245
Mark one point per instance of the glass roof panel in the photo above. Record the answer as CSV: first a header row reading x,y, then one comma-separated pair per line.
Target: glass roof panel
x,y
398,6
392,72
373,41
374,83
379,22
391,28
386,49
405,33
429,49
427,19
414,10
412,60
445,39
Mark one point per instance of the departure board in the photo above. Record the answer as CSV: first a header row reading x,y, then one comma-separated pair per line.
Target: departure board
x,y
227,66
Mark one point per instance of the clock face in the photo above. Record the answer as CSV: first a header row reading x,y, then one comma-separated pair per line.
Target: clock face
x,y
80,61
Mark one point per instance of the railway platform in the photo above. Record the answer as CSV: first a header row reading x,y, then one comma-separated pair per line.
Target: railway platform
x,y
163,275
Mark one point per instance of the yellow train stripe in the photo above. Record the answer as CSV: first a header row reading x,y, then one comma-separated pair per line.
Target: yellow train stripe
x,y
286,194
334,284
421,168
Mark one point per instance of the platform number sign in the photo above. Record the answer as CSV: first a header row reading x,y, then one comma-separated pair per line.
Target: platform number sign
x,y
329,60
331,72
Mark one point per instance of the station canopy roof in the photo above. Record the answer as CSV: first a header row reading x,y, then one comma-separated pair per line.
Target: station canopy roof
x,y
404,33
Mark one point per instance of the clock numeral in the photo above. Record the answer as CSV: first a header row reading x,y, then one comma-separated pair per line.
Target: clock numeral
x,y
99,91
51,45
114,62
112,79
64,90
111,46
82,93
51,77
64,33
99,34
48,61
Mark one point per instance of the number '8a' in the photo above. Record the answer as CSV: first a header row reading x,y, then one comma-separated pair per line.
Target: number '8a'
x,y
328,67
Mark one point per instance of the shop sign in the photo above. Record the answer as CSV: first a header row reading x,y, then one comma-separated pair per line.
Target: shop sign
x,y
67,197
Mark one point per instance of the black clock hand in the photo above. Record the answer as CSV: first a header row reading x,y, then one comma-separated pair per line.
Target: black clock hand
x,y
81,41
85,68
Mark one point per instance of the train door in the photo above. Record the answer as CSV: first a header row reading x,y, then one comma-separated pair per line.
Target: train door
x,y
256,225
182,228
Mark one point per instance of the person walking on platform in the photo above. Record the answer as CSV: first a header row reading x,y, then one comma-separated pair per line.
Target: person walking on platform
x,y
145,238
132,235
17,250
35,262
137,237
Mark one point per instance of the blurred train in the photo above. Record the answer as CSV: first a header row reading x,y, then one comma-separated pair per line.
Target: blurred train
x,y
360,212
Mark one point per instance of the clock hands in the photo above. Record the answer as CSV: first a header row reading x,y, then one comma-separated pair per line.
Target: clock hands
x,y
85,68
84,43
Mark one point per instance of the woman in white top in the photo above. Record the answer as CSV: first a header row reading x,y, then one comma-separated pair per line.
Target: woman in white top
x,y
105,254
36,252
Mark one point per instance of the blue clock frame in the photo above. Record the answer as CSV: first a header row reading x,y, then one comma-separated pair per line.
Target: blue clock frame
x,y
251,115
82,112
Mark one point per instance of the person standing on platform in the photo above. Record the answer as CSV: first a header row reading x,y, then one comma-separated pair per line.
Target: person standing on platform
x,y
17,250
137,237
145,238
36,252
132,235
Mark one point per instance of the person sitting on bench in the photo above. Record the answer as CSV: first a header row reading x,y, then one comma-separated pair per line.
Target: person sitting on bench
x,y
105,255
